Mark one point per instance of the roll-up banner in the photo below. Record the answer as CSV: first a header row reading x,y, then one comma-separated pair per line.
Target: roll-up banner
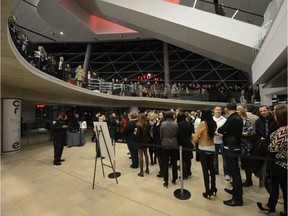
x,y
11,122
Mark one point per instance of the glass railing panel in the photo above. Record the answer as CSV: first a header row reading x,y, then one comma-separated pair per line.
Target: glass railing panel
x,y
268,19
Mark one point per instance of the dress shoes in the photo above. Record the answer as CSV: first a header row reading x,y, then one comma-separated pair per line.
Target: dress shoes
x,y
57,163
234,202
229,191
268,210
247,184
62,160
134,166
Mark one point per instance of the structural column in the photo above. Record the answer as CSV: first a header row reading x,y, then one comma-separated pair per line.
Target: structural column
x,y
134,109
166,63
11,125
87,59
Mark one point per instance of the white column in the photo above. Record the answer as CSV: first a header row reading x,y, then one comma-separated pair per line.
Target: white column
x,y
11,121
134,109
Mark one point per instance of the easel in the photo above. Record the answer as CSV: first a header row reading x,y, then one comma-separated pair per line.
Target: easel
x,y
102,141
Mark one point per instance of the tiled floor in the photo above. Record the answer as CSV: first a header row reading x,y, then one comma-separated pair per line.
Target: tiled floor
x,y
31,185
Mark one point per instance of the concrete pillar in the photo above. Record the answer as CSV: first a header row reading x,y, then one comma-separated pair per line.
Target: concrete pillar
x,y
266,97
166,63
134,109
11,125
87,59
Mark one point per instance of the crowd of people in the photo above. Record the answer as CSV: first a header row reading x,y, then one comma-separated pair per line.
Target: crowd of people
x,y
57,66
155,136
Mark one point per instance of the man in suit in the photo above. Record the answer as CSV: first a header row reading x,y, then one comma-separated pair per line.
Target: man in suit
x,y
60,68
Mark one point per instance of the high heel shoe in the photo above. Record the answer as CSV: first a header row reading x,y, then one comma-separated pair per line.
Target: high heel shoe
x,y
207,195
174,182
141,174
213,192
147,171
165,184
268,210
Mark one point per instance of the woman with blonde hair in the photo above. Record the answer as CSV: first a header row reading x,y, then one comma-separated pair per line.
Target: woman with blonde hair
x,y
79,75
142,136
246,145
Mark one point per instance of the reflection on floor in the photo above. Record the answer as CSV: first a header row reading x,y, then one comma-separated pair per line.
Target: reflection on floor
x,y
31,185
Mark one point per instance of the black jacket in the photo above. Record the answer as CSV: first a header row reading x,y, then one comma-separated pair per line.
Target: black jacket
x,y
232,131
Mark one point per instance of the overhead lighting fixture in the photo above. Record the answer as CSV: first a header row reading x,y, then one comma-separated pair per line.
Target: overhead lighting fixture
x,y
61,33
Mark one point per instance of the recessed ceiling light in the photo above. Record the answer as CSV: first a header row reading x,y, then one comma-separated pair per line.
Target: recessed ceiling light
x,y
61,33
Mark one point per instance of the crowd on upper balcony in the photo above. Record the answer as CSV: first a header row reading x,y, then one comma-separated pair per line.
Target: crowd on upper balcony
x,y
57,66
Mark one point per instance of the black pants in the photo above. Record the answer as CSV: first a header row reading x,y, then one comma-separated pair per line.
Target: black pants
x,y
207,161
58,142
279,177
234,170
247,166
172,153
132,146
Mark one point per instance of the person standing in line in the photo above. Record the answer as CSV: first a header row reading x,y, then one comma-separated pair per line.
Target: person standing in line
x,y
232,134
184,139
168,135
157,141
264,126
197,120
142,136
113,123
152,123
218,142
247,145
131,139
59,129
278,146
250,115
204,136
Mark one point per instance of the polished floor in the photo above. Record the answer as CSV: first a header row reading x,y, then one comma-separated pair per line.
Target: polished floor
x,y
32,185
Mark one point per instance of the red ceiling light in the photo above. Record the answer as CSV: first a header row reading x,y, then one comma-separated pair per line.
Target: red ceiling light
x,y
174,1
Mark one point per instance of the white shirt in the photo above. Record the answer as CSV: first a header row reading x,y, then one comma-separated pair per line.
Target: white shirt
x,y
83,125
219,121
196,123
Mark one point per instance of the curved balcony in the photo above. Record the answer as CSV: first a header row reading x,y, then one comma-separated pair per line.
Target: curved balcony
x,y
22,80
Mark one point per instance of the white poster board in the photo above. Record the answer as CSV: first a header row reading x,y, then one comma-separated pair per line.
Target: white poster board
x,y
104,136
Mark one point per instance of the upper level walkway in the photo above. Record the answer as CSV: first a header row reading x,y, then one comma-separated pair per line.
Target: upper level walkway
x,y
22,80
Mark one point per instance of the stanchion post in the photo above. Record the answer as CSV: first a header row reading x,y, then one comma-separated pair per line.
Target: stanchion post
x,y
181,193
114,174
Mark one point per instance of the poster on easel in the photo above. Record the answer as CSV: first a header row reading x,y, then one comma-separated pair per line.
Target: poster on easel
x,y
105,142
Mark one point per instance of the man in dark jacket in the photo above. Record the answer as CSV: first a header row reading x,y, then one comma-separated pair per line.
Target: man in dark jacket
x,y
232,133
264,126
59,140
